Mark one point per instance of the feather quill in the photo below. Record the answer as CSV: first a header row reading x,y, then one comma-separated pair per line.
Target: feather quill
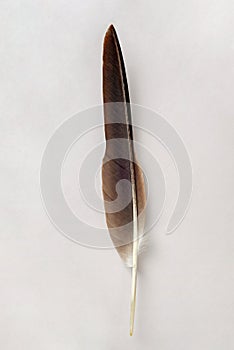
x,y
125,221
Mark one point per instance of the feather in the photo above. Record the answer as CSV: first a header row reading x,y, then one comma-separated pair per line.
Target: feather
x,y
122,178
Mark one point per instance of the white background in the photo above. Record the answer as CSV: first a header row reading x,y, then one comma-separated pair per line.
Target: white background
x,y
55,294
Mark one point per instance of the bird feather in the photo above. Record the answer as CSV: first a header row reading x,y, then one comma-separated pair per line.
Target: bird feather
x,y
122,177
